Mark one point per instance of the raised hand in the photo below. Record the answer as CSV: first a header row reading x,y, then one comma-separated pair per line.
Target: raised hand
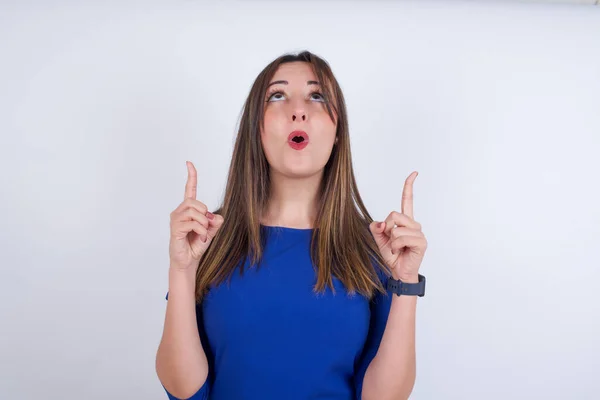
x,y
400,239
192,227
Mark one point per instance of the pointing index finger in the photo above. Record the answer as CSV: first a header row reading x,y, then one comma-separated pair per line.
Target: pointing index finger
x,y
407,195
192,181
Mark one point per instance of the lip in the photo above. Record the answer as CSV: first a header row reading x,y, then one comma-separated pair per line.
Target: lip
x,y
298,133
301,145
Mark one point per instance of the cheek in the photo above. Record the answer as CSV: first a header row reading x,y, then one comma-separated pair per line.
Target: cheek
x,y
319,114
271,132
324,124
274,121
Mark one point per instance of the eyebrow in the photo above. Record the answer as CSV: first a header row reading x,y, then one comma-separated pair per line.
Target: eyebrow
x,y
286,82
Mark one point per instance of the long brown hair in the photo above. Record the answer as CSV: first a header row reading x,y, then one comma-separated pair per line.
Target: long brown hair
x,y
341,242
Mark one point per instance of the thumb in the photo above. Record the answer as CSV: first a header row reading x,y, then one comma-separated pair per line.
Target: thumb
x,y
214,225
377,228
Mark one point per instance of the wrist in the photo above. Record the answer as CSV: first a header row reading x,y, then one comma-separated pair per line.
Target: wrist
x,y
407,278
182,278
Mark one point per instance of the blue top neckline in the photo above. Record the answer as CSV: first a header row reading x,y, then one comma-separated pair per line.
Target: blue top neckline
x,y
287,228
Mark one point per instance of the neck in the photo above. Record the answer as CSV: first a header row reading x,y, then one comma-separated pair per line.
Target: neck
x,y
293,201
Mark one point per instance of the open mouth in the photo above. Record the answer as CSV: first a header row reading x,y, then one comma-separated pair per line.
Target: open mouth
x,y
298,140
298,137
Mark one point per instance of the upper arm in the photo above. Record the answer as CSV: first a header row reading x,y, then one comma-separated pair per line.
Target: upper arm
x,y
379,311
204,390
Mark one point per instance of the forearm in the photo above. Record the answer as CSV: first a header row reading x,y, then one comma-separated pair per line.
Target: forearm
x,y
391,374
181,363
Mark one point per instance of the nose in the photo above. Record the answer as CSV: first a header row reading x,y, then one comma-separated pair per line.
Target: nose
x,y
298,111
299,115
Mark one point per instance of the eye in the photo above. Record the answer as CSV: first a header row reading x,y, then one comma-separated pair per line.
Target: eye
x,y
321,98
273,94
279,95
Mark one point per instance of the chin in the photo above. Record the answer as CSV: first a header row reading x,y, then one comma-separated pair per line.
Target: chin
x,y
302,171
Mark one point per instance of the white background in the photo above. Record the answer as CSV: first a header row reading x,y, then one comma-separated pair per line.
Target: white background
x,y
497,105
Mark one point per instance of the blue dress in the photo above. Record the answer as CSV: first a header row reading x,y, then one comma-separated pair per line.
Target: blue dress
x,y
268,335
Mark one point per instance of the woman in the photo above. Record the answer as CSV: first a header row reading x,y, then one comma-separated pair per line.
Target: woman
x,y
283,291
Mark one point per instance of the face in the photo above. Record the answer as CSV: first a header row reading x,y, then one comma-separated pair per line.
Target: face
x,y
297,105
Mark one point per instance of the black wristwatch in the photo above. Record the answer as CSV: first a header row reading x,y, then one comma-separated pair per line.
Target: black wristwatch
x,y
407,289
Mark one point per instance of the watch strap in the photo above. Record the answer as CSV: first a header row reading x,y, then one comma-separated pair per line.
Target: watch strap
x,y
407,289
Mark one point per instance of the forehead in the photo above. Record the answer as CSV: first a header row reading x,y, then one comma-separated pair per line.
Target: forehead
x,y
295,72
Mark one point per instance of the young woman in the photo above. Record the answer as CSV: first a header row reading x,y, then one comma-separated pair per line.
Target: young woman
x,y
290,290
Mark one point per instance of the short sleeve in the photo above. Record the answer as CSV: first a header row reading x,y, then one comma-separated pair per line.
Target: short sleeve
x,y
380,309
203,392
